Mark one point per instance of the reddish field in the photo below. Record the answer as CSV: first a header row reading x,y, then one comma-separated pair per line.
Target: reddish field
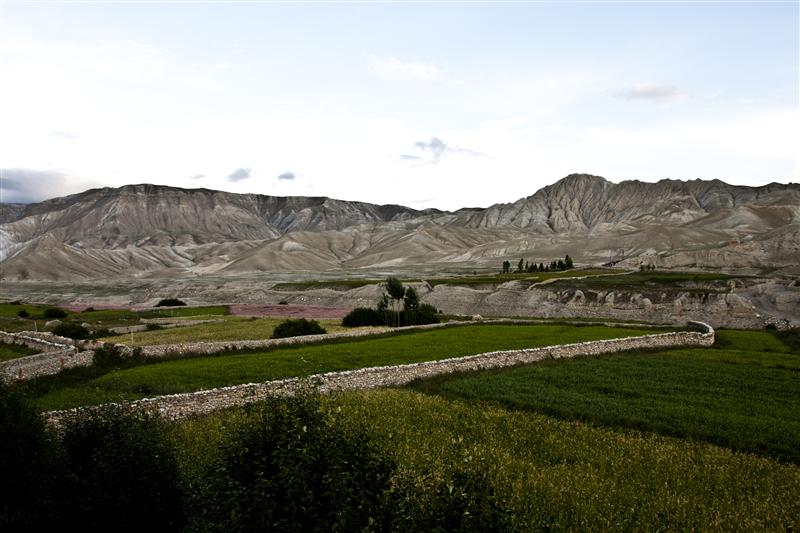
x,y
294,311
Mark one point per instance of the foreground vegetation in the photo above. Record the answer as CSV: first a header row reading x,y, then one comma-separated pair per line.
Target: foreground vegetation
x,y
182,375
381,460
738,398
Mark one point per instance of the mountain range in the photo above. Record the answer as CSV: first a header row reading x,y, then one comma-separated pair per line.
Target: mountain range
x,y
158,231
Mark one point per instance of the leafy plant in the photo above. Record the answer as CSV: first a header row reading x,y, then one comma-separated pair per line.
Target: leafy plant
x,y
71,330
295,327
362,316
170,302
54,312
291,468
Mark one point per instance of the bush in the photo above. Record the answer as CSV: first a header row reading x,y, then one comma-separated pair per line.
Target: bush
x,y
30,471
153,327
363,316
71,330
297,327
123,472
170,302
54,312
22,313
426,314
292,468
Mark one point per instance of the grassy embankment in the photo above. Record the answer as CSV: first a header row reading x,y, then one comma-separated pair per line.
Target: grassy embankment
x,y
76,387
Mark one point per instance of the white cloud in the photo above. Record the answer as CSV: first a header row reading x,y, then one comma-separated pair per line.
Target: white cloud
x,y
653,92
393,69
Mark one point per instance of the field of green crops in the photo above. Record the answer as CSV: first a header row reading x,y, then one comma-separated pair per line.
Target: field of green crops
x,y
739,398
228,328
191,374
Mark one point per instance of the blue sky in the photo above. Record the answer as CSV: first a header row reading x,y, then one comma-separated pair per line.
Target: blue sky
x,y
429,105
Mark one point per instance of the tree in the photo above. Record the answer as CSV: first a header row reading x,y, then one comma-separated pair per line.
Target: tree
x,y
568,262
506,267
520,264
296,328
541,267
560,265
396,292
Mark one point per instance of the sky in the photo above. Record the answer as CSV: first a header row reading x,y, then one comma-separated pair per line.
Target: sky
x,y
446,105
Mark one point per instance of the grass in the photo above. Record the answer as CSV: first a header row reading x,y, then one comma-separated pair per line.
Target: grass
x,y
570,476
744,398
467,280
221,370
650,282
232,329
101,318
10,351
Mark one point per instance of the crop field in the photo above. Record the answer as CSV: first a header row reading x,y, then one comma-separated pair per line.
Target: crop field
x,y
229,329
649,282
100,318
191,374
553,474
466,280
742,395
13,351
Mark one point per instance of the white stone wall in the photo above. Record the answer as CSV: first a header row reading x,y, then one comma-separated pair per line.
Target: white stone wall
x,y
177,406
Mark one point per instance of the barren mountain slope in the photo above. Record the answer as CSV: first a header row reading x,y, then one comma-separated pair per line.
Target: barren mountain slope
x,y
156,231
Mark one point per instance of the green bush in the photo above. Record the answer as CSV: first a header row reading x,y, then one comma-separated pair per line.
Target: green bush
x,y
54,312
153,327
170,302
71,330
22,313
294,327
123,472
30,466
363,316
292,468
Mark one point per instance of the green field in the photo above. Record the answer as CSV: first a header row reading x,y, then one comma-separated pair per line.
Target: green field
x,y
742,395
231,329
101,318
466,280
564,475
652,282
10,351
231,369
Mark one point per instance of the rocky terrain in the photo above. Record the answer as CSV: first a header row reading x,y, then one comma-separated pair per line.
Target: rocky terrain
x,y
163,232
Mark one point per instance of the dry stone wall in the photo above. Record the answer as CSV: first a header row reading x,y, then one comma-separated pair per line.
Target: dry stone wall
x,y
189,404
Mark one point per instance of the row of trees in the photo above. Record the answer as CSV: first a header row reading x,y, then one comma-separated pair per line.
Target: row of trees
x,y
398,306
553,266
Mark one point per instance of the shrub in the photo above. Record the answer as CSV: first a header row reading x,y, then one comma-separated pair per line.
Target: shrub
x,y
170,302
89,310
292,468
22,313
363,316
426,314
153,327
71,330
123,472
296,327
29,465
54,312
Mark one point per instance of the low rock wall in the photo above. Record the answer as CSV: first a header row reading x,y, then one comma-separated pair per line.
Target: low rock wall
x,y
189,404
44,364
46,342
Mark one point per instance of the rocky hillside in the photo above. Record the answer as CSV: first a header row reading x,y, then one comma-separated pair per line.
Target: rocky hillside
x,y
157,231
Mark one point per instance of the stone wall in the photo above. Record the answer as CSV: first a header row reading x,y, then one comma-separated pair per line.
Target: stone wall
x,y
189,404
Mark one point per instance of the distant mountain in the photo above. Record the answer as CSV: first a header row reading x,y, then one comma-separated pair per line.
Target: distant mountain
x,y
150,230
